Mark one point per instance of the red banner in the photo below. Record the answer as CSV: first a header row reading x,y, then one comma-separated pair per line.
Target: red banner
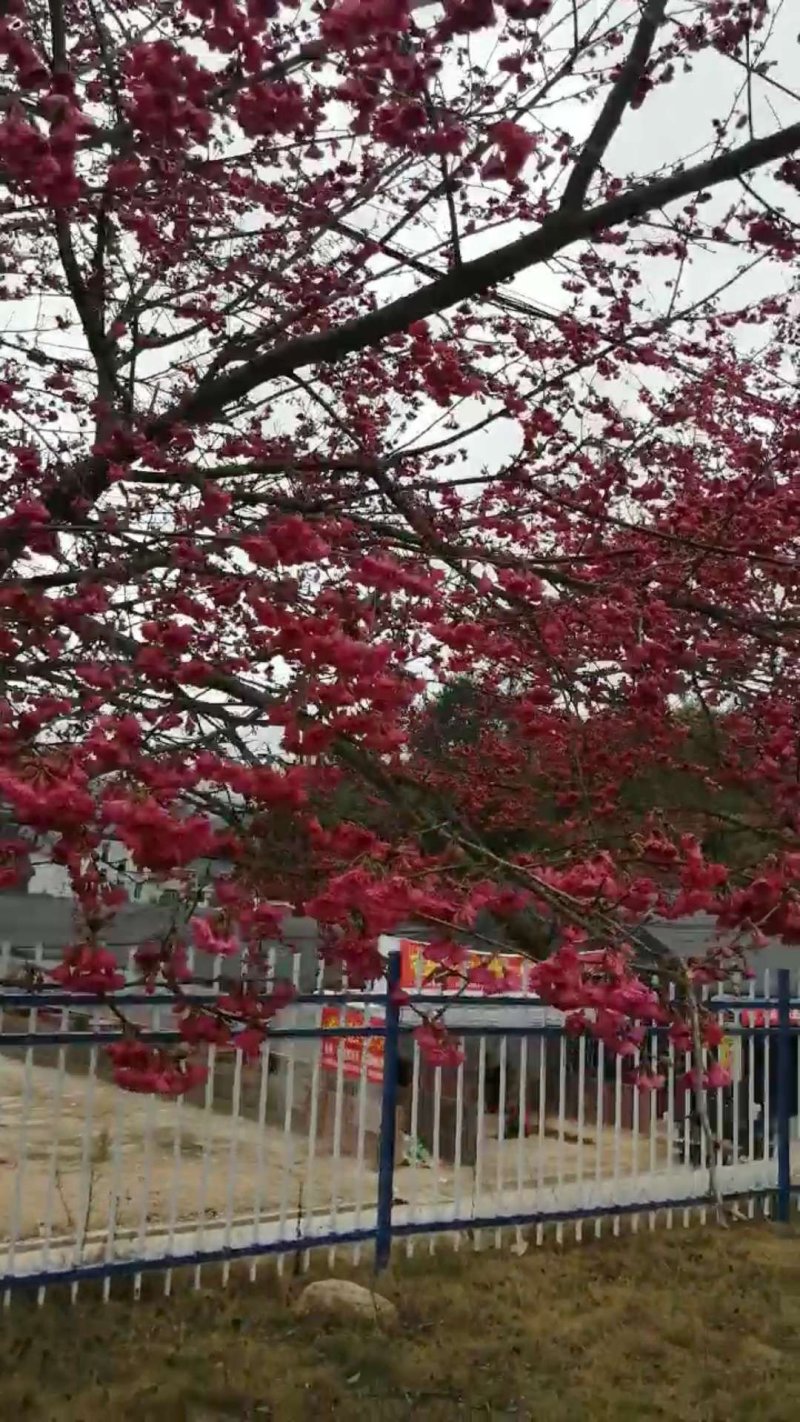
x,y
353,1049
418,972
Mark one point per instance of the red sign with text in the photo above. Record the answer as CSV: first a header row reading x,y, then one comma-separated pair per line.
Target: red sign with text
x,y
418,972
353,1049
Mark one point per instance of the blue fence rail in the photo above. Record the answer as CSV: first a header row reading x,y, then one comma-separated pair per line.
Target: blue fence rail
x,y
342,1137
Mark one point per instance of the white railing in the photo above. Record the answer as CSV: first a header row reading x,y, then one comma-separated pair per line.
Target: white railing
x,y
531,1132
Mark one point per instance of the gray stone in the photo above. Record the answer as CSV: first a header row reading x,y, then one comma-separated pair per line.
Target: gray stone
x,y
342,1298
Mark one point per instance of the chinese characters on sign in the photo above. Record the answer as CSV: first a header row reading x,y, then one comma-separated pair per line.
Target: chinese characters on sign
x,y
501,973
418,972
353,1049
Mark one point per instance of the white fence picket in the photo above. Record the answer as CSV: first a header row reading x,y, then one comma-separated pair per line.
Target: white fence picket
x,y
587,1149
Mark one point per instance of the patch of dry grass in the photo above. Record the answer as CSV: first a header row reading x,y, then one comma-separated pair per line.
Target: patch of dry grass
x,y
694,1326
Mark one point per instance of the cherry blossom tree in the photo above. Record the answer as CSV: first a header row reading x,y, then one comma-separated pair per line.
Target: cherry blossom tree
x,y
351,348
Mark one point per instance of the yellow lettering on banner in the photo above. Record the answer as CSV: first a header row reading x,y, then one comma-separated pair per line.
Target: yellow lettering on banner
x,y
419,972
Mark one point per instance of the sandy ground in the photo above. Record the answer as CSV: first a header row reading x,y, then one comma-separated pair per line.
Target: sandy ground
x,y
78,1157
80,1154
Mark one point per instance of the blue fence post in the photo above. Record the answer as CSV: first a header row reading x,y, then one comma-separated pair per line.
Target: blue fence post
x,y
783,1107
383,1233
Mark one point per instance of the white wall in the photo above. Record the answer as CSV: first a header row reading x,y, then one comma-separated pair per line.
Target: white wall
x,y
50,879
53,879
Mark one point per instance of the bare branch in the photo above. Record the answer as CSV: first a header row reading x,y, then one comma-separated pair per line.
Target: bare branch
x,y
473,278
618,99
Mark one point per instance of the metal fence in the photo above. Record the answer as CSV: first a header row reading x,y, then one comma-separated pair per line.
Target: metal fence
x,y
341,1137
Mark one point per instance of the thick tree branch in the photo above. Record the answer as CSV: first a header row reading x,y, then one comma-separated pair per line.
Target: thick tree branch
x,y
610,116
58,36
86,307
88,480
473,278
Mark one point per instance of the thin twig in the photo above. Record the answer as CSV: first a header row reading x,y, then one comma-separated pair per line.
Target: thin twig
x,y
701,1099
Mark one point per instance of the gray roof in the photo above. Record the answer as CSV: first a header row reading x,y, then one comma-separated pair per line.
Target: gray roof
x,y
27,920
692,936
30,920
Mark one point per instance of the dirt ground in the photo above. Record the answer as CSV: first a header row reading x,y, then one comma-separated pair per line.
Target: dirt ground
x,y
79,1158
91,1155
689,1326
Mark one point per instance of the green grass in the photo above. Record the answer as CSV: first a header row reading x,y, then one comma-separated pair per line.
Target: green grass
x,y
694,1326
